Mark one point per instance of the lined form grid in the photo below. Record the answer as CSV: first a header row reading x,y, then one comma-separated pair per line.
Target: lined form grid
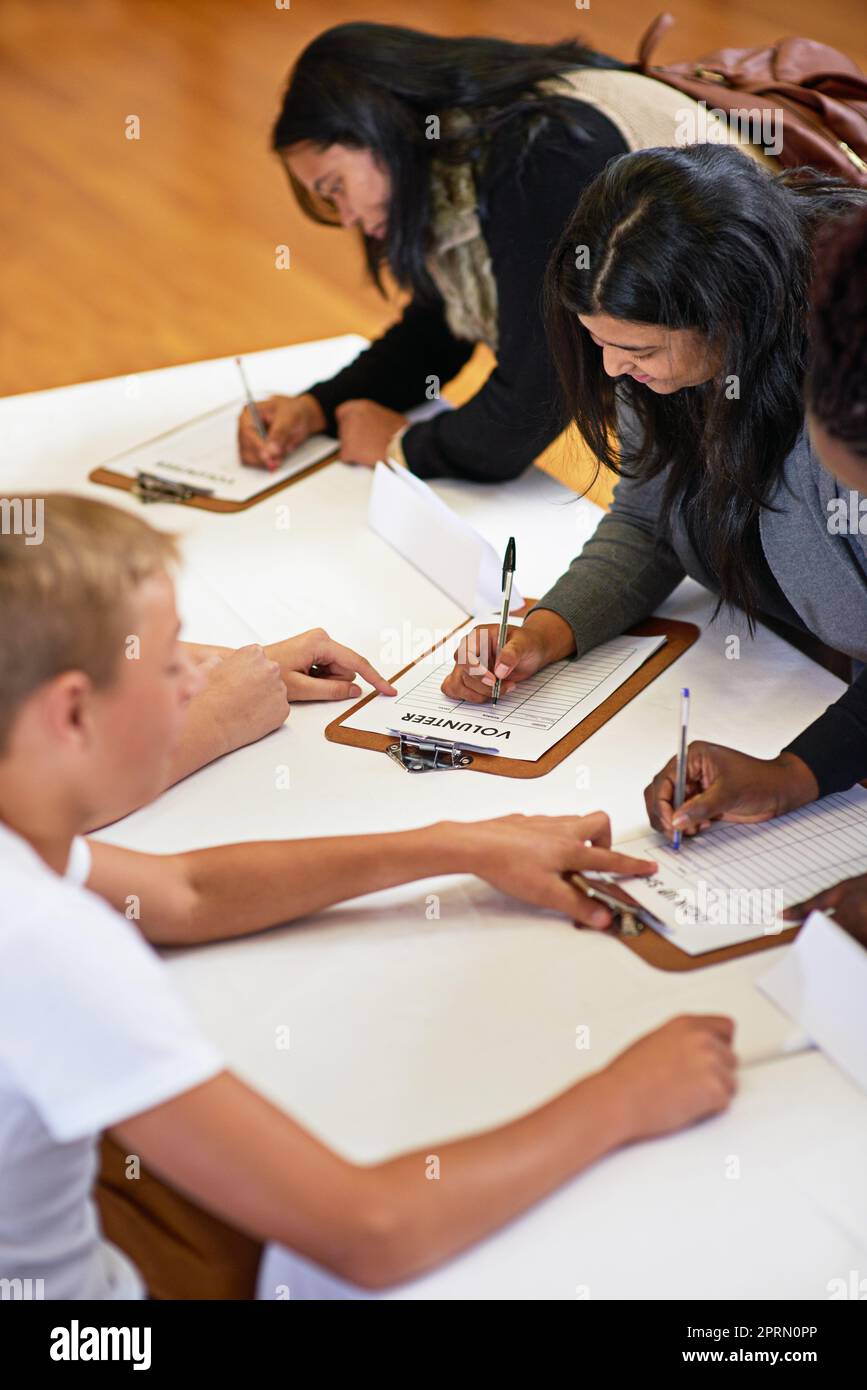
x,y
541,701
800,854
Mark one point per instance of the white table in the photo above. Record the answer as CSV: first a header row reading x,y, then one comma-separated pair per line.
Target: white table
x,y
407,1030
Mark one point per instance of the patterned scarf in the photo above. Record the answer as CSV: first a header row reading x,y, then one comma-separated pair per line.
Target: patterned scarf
x,y
459,262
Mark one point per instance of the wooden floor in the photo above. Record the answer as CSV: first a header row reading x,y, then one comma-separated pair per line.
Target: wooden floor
x,y
123,255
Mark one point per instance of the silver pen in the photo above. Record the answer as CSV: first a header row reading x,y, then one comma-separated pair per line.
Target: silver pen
x,y
251,404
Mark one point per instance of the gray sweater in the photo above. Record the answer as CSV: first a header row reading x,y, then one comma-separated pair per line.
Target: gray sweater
x,y
815,578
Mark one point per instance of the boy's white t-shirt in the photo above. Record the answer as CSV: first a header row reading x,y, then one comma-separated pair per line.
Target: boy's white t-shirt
x,y
91,1033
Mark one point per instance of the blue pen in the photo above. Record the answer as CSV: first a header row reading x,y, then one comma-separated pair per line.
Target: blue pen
x,y
680,776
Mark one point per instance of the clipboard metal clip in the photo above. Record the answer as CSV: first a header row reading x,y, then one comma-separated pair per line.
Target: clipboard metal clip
x,y
149,488
427,755
628,919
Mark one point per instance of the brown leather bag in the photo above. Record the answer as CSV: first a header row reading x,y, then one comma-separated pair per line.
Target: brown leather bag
x,y
821,93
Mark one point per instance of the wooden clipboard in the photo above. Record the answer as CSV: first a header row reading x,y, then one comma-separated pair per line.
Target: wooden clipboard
x,y
678,636
649,945
212,504
660,953
187,495
664,955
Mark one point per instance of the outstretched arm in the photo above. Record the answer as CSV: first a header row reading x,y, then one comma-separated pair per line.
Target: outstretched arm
x,y
232,890
246,695
247,1161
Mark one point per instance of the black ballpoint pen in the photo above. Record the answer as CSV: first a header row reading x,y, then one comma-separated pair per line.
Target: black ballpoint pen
x,y
508,576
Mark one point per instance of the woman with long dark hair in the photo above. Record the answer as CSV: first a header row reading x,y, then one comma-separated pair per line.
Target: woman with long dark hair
x,y
724,784
682,333
460,161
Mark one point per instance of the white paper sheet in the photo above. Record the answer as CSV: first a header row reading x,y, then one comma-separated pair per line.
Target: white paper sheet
x,y
821,982
410,516
203,453
523,724
733,882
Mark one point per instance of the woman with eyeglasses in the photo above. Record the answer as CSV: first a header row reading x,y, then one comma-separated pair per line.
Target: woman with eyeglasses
x,y
458,161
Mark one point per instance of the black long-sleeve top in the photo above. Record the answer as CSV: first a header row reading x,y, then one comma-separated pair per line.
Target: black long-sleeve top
x,y
834,746
514,415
